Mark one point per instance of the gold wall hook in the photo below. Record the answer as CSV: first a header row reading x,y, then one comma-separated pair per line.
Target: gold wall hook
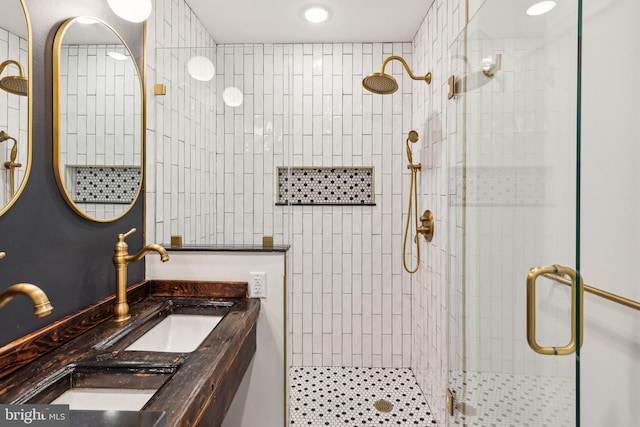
x,y
490,69
159,89
428,225
452,87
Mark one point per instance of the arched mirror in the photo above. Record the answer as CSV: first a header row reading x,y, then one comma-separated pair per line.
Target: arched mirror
x,y
97,107
15,116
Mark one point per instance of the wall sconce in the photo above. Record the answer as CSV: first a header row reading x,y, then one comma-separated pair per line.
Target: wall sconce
x,y
131,10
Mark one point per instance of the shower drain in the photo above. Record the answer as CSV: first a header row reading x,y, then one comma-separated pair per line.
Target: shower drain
x,y
383,405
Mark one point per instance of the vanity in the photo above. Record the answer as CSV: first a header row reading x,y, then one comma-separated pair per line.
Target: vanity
x,y
146,371
60,237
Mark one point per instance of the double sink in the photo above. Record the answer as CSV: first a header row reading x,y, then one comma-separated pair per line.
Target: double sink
x,y
127,373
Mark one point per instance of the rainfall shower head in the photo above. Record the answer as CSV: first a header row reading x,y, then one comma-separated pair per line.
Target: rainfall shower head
x,y
380,83
17,85
384,84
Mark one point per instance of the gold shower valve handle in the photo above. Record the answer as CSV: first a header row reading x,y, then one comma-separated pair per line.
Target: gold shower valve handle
x,y
427,227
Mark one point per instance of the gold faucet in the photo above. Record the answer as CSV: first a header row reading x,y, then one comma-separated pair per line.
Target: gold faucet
x,y
121,259
41,304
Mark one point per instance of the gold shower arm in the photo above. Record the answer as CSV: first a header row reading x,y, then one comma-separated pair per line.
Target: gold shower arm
x,y
426,78
11,61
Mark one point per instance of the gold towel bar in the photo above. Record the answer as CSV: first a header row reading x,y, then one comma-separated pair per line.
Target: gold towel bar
x,y
604,294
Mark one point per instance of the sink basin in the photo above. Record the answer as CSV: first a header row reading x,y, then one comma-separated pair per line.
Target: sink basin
x,y
177,333
105,399
101,387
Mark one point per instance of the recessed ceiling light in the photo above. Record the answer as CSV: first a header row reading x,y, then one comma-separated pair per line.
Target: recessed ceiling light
x,y
316,14
541,8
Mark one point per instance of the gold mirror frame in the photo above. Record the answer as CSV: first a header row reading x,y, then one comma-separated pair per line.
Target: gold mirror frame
x,y
29,67
57,137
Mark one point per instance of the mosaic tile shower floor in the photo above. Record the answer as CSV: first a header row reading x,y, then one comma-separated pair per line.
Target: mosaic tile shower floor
x,y
506,400
345,397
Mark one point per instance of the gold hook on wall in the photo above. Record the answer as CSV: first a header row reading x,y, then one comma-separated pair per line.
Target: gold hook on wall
x,y
475,80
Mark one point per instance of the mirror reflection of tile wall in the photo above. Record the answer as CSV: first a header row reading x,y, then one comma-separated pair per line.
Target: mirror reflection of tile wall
x,y
99,115
14,116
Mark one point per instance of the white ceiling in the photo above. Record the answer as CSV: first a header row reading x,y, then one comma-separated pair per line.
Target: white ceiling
x,y
281,21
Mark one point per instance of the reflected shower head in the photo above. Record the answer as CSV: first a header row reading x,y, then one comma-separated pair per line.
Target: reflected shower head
x,y
413,136
5,136
384,84
17,85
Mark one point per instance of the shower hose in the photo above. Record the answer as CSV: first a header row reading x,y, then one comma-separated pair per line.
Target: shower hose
x,y
413,200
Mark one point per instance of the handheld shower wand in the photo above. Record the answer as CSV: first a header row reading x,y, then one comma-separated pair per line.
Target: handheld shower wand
x,y
413,199
11,165
426,220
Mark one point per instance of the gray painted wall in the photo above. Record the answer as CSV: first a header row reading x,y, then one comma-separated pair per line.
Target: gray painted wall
x,y
47,244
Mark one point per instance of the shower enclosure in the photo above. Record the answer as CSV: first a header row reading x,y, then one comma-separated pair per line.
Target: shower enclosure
x,y
513,206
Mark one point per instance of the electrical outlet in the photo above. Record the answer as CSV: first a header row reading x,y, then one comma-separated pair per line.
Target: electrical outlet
x,y
258,284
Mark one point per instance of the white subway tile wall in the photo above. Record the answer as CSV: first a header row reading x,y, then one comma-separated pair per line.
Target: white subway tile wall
x,y
350,300
251,140
98,113
14,119
180,149
434,118
185,155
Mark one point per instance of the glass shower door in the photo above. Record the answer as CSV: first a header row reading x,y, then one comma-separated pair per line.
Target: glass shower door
x,y
513,207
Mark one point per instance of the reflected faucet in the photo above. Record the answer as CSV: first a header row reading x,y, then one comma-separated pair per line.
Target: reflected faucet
x,y
11,164
41,305
121,259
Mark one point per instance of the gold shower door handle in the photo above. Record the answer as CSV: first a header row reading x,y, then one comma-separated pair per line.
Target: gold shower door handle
x,y
577,291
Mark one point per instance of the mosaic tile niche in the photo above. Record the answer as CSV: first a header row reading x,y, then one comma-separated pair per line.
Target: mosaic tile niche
x,y
104,184
325,186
